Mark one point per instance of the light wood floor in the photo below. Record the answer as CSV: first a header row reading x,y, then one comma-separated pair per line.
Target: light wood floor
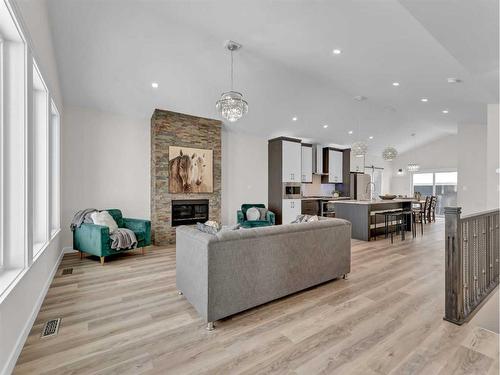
x,y
126,318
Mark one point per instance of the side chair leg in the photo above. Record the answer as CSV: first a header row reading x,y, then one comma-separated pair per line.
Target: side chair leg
x,y
102,261
81,255
210,326
142,250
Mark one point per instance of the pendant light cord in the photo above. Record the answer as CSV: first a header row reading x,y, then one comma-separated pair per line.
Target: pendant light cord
x,y
232,70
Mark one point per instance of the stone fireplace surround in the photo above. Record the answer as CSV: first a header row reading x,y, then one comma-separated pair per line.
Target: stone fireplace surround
x,y
177,129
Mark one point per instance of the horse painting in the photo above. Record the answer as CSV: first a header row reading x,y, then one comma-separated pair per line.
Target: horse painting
x,y
190,170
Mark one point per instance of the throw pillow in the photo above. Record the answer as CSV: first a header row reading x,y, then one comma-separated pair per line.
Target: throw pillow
x,y
229,228
253,214
207,228
263,212
104,218
301,219
313,218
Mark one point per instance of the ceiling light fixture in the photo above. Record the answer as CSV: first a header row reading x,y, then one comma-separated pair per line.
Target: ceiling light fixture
x,y
395,84
325,126
389,153
412,166
370,137
294,118
155,85
231,104
453,80
337,51
425,100
359,148
349,132
445,111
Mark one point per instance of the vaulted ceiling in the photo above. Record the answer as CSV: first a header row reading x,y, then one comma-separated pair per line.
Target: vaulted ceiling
x,y
109,52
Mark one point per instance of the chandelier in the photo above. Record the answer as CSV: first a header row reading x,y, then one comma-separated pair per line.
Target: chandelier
x,y
412,166
359,149
231,104
389,153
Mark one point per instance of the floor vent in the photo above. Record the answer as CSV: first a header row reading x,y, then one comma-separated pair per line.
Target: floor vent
x,y
51,328
67,271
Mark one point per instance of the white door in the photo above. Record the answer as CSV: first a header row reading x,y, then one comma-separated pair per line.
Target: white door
x,y
335,166
292,163
307,164
291,208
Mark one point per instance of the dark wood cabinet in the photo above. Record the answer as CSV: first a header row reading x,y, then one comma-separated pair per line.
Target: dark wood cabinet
x,y
310,207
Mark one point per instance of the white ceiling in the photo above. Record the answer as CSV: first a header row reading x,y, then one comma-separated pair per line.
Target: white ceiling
x,y
110,51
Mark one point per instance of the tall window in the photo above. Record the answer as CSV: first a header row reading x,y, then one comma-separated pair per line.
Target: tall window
x,y
54,148
40,163
441,184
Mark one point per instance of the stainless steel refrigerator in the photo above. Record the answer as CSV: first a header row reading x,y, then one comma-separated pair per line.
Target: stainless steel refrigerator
x,y
360,186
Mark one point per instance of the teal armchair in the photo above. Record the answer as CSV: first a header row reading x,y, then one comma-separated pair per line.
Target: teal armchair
x,y
242,217
94,239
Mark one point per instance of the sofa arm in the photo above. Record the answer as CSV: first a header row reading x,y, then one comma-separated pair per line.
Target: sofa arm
x,y
92,239
240,217
271,217
139,225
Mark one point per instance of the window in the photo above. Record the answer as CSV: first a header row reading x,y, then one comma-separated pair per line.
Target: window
x,y
40,162
441,184
54,148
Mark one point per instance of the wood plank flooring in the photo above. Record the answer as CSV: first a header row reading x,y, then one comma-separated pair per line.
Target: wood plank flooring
x,y
126,318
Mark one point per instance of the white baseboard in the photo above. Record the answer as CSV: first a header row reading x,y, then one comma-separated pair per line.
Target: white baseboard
x,y
11,363
69,250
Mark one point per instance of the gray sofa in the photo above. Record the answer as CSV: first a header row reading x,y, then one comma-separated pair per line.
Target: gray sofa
x,y
223,274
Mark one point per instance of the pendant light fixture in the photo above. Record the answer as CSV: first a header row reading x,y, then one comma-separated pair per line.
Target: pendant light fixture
x,y
413,166
231,104
359,148
389,153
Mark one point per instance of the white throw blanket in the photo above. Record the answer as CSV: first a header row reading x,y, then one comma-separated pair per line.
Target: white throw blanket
x,y
123,238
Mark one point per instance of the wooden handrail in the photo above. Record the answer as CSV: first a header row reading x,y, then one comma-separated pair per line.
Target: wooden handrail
x,y
472,261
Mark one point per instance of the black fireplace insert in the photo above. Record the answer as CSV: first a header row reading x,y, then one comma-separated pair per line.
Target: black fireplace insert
x,y
189,211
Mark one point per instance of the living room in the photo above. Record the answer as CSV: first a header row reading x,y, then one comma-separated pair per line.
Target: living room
x,y
191,128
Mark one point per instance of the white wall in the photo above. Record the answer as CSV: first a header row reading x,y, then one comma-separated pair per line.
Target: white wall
x,y
442,154
244,172
106,164
471,184
492,158
19,305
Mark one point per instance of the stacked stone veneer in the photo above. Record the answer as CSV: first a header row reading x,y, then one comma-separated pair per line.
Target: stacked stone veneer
x,y
177,129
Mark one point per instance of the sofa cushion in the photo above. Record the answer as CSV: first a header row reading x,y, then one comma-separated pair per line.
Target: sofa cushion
x,y
253,214
104,218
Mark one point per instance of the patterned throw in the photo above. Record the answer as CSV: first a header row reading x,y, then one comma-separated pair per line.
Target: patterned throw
x,y
123,238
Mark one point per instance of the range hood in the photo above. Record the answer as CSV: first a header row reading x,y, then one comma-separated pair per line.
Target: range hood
x,y
318,160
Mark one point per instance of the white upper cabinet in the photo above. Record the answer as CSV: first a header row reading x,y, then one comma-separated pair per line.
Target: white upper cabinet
x,y
335,171
307,164
292,161
291,208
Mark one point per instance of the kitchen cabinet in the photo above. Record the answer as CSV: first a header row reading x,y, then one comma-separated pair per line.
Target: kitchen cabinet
x,y
335,168
291,208
291,161
307,163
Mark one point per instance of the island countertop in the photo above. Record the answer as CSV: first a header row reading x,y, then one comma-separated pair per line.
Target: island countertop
x,y
377,201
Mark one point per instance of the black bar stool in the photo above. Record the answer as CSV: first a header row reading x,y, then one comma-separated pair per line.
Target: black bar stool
x,y
400,218
386,215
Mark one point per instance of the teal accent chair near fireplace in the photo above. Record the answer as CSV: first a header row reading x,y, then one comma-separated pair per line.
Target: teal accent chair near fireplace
x,y
94,239
242,216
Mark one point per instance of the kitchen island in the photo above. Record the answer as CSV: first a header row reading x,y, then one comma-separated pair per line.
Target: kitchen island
x,y
361,213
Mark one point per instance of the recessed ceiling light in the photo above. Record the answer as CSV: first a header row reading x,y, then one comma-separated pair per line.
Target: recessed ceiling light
x,y
155,85
454,80
425,100
350,132
337,51
294,118
325,126
445,111
395,83
370,137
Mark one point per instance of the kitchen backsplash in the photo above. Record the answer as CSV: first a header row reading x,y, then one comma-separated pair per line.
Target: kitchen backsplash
x,y
316,188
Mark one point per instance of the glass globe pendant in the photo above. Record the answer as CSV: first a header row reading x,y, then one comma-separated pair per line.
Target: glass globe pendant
x,y
231,104
389,153
359,149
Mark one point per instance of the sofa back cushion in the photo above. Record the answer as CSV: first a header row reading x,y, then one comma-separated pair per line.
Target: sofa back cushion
x,y
117,216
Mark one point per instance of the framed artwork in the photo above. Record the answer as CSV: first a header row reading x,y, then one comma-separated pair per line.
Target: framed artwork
x,y
190,170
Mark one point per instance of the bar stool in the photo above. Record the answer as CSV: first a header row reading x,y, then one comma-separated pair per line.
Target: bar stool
x,y
417,217
386,215
401,223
